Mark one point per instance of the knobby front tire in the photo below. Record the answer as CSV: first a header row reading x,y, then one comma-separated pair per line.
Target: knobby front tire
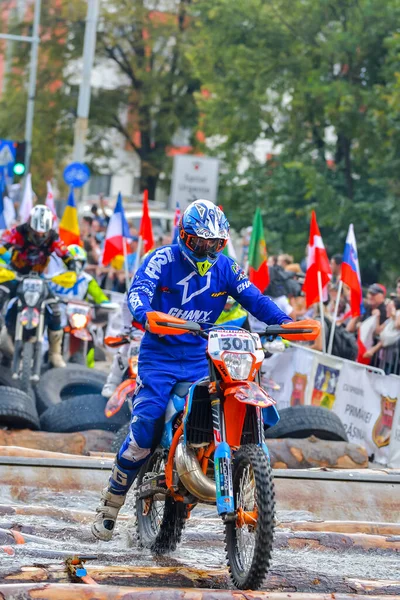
x,y
248,546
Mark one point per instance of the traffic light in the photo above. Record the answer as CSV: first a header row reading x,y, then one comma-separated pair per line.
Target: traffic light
x,y
19,165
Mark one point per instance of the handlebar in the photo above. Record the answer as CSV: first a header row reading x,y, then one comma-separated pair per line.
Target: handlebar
x,y
163,324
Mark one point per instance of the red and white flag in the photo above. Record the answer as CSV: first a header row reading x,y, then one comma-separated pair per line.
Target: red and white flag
x,y
317,262
50,202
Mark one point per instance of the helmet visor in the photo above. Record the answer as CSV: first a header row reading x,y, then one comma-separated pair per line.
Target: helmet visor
x,y
202,247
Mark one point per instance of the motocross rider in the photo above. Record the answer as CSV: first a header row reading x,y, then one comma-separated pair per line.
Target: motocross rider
x,y
86,285
192,280
31,245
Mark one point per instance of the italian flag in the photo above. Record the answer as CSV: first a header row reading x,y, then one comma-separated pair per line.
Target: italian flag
x,y
257,258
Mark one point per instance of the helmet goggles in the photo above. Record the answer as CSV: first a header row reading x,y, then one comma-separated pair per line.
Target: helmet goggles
x,y
201,246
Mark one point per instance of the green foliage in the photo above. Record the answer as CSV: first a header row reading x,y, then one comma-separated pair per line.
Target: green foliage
x,y
321,80
61,41
147,50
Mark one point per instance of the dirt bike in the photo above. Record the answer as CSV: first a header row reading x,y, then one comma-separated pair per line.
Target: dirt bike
x,y
126,388
213,449
32,297
80,332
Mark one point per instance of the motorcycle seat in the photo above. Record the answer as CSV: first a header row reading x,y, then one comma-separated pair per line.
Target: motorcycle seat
x,y
181,388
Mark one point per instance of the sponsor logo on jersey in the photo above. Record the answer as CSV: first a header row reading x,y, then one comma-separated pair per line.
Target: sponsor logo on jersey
x,y
157,261
217,294
243,286
235,268
199,316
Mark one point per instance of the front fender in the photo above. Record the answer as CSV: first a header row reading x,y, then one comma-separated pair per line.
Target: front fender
x,y
249,392
270,415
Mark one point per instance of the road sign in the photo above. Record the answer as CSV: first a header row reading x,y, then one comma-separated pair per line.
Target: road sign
x,y
76,174
193,177
7,156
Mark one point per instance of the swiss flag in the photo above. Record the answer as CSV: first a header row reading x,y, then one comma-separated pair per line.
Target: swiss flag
x,y
317,261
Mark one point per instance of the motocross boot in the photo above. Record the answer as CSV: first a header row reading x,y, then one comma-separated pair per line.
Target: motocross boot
x,y
55,342
114,378
6,343
111,501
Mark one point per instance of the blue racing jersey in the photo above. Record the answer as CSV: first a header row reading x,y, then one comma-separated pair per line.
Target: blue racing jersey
x,y
167,282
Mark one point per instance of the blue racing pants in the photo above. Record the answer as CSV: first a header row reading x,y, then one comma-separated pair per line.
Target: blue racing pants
x,y
157,375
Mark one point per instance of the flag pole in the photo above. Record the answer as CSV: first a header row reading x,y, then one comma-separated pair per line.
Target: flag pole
x,y
321,310
126,269
138,253
333,326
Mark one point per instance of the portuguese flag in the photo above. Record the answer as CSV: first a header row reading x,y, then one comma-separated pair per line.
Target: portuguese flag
x,y
257,258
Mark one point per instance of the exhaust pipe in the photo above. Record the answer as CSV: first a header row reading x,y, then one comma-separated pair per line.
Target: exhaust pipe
x,y
191,475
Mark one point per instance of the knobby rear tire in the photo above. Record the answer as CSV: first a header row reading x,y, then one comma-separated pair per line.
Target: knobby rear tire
x,y
251,576
165,536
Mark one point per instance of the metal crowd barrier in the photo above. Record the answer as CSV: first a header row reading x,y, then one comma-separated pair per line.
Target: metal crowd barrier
x,y
374,368
388,359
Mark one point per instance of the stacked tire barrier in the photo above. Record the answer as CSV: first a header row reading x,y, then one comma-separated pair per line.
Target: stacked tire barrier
x,y
64,401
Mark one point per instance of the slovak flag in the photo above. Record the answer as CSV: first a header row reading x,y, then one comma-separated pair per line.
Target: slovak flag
x,y
351,273
317,262
117,231
177,218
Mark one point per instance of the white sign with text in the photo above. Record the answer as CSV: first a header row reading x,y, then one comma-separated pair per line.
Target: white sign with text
x,y
193,177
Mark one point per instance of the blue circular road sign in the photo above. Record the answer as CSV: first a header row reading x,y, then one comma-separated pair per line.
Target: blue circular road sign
x,y
76,174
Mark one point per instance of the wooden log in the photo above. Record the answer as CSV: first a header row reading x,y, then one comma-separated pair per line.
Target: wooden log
x,y
343,527
328,541
70,443
56,591
291,583
62,514
292,453
22,452
18,537
35,453
122,575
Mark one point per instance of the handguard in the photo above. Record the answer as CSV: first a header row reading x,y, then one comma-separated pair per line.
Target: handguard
x,y
162,324
301,331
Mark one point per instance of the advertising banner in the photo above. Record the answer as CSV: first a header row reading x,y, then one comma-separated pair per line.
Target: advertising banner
x,y
291,370
394,444
366,402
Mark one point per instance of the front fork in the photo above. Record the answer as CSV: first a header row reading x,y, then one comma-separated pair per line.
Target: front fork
x,y
17,345
37,363
222,461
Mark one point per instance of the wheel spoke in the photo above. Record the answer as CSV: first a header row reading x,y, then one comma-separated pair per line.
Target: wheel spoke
x,y
245,533
155,511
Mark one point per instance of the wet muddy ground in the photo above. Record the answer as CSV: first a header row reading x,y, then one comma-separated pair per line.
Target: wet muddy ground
x,y
60,527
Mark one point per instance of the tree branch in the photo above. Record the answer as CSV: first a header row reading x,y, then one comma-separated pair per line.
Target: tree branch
x,y
119,127
123,64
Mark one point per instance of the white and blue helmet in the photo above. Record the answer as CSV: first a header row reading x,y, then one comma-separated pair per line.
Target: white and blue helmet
x,y
203,234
